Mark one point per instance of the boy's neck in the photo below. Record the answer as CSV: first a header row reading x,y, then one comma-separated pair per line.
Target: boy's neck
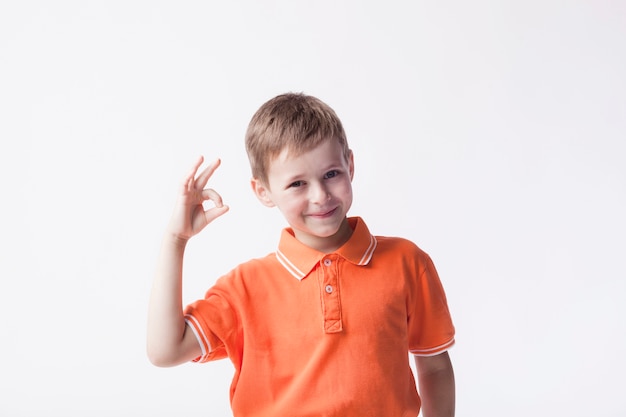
x,y
327,244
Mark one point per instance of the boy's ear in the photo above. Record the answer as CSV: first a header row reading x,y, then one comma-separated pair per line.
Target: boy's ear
x,y
351,165
262,192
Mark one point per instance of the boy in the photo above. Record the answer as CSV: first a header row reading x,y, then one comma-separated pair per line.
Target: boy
x,y
322,326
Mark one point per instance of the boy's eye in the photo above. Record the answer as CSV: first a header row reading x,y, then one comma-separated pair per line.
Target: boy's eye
x,y
296,184
331,174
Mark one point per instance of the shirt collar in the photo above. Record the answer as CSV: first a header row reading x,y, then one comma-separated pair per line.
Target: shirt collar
x,y
299,259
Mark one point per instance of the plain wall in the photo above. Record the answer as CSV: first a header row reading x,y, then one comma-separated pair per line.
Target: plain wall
x,y
491,133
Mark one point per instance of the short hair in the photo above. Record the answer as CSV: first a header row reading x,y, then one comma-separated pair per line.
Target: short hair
x,y
293,121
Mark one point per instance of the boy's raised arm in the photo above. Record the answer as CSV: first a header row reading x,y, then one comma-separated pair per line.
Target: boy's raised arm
x,y
169,341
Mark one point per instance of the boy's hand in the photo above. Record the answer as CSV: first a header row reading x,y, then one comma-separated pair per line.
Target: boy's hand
x,y
189,216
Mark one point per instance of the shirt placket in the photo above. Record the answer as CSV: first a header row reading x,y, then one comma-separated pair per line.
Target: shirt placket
x,y
330,294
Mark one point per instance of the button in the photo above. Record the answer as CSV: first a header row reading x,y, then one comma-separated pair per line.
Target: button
x,y
327,262
329,289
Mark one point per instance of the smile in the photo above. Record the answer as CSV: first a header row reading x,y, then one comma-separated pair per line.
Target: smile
x,y
323,215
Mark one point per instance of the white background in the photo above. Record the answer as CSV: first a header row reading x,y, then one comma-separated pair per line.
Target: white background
x,y
492,133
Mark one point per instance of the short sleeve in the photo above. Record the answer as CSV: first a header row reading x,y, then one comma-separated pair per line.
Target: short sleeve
x,y
213,322
430,326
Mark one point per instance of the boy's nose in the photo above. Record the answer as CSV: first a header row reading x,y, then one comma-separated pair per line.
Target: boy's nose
x,y
319,194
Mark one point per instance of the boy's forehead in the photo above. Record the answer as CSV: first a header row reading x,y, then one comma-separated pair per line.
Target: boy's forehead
x,y
326,150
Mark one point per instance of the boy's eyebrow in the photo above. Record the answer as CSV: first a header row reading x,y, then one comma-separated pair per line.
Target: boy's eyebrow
x,y
292,178
334,165
329,167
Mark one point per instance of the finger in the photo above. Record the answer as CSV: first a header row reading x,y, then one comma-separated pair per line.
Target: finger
x,y
215,212
211,194
204,176
190,178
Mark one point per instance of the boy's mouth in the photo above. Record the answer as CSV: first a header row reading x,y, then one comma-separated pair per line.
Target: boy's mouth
x,y
323,214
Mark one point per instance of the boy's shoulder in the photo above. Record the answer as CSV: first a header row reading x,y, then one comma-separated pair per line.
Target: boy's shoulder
x,y
261,263
253,268
398,244
250,275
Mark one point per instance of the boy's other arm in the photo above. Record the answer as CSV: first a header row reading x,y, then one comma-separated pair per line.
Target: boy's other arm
x,y
436,385
169,340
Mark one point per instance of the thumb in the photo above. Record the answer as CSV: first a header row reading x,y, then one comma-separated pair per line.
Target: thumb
x,y
215,212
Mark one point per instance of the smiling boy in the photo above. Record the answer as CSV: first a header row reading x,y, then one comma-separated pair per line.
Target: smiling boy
x,y
313,191
322,326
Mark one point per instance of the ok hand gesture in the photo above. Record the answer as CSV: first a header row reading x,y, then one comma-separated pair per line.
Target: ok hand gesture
x,y
189,216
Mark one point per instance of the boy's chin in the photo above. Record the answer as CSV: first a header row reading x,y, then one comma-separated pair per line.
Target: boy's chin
x,y
330,232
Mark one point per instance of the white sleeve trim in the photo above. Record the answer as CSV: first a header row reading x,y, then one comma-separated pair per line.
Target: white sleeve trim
x,y
435,350
203,341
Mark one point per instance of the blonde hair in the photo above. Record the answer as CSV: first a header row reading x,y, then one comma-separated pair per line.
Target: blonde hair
x,y
292,121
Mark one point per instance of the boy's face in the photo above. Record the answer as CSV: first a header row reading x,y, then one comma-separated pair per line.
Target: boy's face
x,y
314,193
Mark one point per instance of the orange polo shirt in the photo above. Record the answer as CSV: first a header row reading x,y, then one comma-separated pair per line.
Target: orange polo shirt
x,y
314,334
